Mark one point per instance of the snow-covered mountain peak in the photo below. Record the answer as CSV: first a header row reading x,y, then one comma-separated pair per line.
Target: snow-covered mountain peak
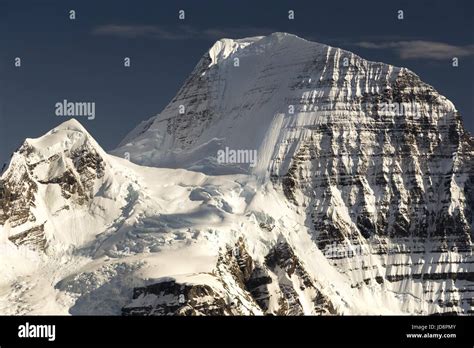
x,y
249,93
277,38
65,138
372,156
71,124
224,48
341,203
48,177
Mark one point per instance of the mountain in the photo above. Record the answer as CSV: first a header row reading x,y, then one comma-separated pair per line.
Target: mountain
x,y
286,177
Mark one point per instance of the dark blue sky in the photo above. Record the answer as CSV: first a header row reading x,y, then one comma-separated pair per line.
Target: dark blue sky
x,y
82,60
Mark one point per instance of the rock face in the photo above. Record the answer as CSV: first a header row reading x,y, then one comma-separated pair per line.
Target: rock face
x,y
170,298
239,286
375,158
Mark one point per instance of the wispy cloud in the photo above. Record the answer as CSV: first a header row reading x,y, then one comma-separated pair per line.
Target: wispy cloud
x,y
134,31
420,49
182,32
